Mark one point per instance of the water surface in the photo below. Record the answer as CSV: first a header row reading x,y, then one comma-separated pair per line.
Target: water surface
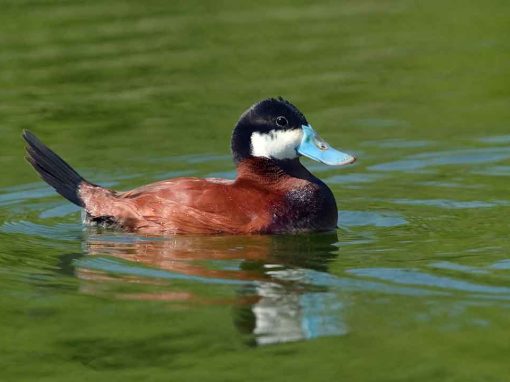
x,y
414,284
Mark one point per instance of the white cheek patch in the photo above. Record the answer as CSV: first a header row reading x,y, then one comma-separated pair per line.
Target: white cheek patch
x,y
278,144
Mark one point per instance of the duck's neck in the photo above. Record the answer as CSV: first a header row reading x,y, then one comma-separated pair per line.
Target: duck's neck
x,y
274,169
307,203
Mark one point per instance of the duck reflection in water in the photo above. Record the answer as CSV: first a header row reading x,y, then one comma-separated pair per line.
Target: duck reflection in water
x,y
276,300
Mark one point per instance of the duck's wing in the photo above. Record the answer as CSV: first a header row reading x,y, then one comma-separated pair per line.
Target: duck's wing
x,y
182,205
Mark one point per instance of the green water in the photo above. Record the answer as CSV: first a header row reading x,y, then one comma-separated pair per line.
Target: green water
x,y
414,285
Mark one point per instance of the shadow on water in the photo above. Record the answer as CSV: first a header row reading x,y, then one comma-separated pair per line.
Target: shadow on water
x,y
273,301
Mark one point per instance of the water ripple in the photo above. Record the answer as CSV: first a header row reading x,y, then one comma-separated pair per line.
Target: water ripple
x,y
59,231
441,158
414,277
497,139
19,196
451,204
370,218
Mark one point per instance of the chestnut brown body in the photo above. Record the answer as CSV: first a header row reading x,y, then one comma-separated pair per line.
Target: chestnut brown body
x,y
265,197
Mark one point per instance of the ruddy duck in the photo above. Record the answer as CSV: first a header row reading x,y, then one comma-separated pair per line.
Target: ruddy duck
x,y
272,193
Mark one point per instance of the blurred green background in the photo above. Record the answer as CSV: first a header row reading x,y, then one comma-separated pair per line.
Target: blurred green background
x,y
415,287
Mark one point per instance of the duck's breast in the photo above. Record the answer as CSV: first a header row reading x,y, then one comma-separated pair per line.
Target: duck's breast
x,y
305,206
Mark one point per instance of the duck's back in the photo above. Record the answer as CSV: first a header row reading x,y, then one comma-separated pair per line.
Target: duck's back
x,y
183,205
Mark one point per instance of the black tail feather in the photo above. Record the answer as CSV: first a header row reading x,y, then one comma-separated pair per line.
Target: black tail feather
x,y
53,169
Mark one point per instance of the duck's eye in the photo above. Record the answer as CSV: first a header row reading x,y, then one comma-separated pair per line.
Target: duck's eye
x,y
282,121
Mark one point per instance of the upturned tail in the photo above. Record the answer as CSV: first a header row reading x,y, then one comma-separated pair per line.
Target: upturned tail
x,y
53,169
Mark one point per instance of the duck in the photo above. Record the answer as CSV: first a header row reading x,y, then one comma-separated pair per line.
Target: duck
x,y
273,192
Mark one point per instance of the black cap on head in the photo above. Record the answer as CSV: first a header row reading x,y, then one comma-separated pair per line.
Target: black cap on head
x,y
272,114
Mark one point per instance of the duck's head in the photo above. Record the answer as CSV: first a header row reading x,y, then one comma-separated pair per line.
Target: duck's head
x,y
276,129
